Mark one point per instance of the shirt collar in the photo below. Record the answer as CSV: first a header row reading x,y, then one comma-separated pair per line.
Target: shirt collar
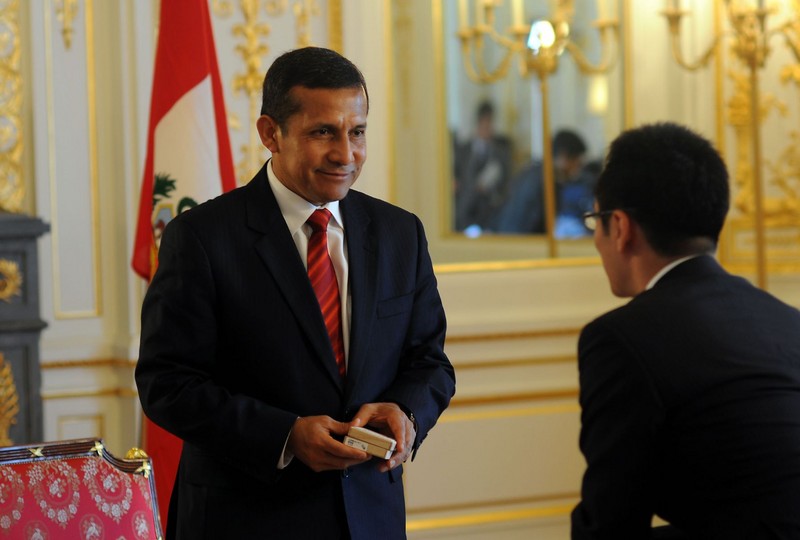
x,y
661,273
295,209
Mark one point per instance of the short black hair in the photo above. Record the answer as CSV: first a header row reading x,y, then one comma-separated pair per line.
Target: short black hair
x,y
309,67
568,142
485,108
672,182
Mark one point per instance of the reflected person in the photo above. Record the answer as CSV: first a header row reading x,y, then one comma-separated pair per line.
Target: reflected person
x,y
690,393
482,169
523,211
259,370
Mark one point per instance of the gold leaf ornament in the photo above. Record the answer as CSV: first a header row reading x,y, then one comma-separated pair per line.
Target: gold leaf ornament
x,y
10,280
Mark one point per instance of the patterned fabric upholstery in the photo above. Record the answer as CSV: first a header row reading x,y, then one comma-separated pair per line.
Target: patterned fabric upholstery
x,y
76,490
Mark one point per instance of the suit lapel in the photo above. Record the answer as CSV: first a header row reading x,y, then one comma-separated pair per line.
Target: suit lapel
x,y
362,270
279,254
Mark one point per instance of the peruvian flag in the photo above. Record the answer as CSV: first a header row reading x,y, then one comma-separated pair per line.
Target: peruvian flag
x,y
188,162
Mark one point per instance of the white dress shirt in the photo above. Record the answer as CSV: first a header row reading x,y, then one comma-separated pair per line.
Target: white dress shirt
x,y
296,211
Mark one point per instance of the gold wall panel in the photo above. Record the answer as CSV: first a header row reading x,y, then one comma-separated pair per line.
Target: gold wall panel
x,y
58,177
12,189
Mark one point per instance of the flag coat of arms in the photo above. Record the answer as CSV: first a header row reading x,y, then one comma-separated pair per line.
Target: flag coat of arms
x,y
188,161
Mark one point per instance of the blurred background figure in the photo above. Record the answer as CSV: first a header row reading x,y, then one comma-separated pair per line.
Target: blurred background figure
x,y
523,210
482,170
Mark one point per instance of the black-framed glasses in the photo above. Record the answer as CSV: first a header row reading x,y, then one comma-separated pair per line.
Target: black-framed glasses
x,y
590,218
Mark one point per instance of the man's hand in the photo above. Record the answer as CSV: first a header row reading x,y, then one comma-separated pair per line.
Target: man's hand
x,y
389,419
311,441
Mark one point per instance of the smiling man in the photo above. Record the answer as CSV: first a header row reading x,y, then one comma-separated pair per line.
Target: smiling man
x,y
690,393
282,314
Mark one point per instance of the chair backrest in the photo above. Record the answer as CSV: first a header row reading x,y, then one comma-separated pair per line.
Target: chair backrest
x,y
76,490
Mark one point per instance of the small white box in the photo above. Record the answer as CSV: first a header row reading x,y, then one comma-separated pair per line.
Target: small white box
x,y
371,442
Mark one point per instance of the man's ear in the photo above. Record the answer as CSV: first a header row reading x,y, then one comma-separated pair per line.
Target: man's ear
x,y
622,229
270,133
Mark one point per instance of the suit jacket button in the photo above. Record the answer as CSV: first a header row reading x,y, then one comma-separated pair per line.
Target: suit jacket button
x,y
346,473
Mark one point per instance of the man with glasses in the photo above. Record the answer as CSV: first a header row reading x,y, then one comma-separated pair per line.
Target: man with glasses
x,y
690,393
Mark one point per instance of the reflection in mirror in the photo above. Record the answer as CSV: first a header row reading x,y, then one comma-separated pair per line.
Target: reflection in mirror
x,y
534,92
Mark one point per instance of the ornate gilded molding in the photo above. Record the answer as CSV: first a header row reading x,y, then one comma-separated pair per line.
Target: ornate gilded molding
x,y
10,280
304,10
12,189
66,11
89,363
9,402
251,51
136,453
223,8
766,226
335,26
780,203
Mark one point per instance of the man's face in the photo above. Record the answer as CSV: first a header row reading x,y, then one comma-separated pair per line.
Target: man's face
x,y
567,167
485,128
320,153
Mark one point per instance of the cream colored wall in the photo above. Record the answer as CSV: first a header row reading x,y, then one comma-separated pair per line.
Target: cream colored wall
x,y
503,462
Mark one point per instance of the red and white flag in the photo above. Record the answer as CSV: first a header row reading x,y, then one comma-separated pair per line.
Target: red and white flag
x,y
188,162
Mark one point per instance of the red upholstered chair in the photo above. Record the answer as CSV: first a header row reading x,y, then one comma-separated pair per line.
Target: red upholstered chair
x,y
76,490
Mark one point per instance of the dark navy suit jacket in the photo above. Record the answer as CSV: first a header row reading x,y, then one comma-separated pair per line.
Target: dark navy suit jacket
x,y
690,399
234,349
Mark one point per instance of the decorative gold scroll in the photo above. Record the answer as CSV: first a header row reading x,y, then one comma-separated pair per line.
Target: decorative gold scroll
x,y
66,11
304,10
9,402
12,190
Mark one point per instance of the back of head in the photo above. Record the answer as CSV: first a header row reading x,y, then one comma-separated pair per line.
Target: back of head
x,y
568,143
485,110
309,67
672,182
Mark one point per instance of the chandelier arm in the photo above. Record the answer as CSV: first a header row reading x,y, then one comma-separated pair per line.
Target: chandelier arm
x,y
700,62
503,41
479,73
605,65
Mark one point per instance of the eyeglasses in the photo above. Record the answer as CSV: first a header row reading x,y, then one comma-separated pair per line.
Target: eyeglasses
x,y
590,218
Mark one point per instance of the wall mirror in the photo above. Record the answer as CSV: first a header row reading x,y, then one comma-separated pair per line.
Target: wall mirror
x,y
522,120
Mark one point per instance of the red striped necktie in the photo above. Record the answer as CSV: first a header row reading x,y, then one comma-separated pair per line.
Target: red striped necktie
x,y
323,280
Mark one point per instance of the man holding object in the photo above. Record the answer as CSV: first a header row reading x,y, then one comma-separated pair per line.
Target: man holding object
x,y
285,312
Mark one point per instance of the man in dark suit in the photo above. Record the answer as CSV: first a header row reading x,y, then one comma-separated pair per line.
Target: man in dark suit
x,y
482,171
523,210
238,357
690,393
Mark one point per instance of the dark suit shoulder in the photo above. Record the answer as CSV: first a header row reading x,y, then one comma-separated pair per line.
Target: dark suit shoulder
x,y
378,211
213,209
374,205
